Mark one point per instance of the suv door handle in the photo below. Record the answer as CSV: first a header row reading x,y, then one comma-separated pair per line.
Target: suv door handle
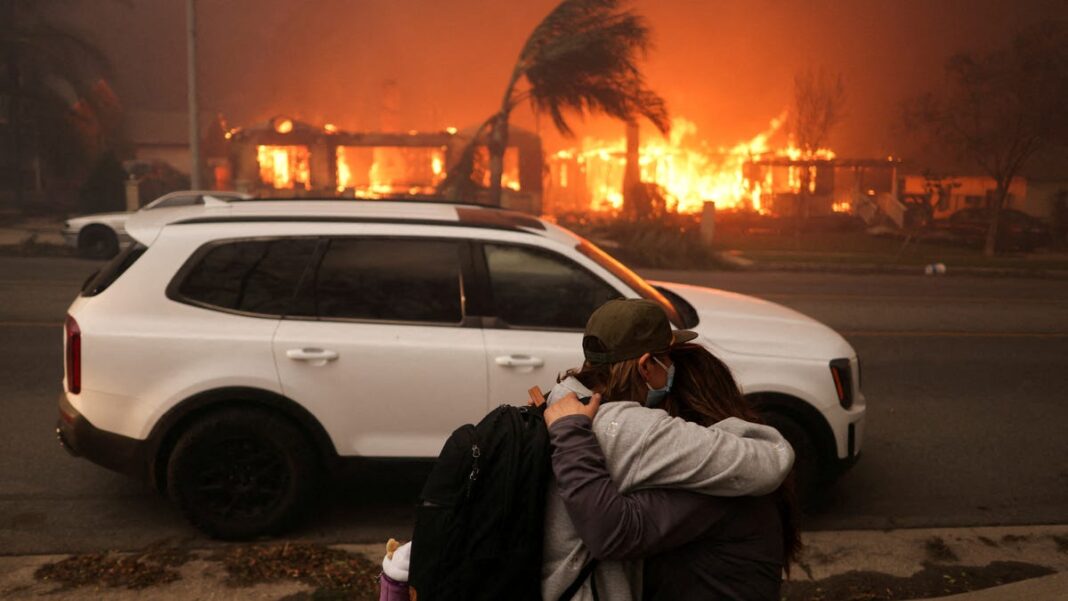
x,y
519,361
314,356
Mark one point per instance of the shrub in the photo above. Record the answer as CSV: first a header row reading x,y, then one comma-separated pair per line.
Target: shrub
x,y
671,241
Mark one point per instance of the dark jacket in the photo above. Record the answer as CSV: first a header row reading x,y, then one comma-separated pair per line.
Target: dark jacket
x,y
695,546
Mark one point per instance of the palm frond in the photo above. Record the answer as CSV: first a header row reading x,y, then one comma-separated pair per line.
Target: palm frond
x,y
584,58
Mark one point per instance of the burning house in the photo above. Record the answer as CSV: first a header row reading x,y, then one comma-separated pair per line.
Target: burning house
x,y
766,174
824,185
286,158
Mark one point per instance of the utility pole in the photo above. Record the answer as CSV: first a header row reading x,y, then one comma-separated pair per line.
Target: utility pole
x,y
194,108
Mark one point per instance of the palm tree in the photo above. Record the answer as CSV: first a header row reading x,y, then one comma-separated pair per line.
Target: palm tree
x,y
583,57
50,87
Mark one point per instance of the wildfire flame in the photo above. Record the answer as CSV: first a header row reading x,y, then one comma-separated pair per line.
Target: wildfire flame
x,y
371,172
344,172
510,174
688,170
364,171
284,167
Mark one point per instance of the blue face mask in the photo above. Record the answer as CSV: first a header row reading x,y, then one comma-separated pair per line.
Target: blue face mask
x,y
655,396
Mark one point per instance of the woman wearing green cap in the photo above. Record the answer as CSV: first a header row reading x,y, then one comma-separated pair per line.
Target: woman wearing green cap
x,y
628,346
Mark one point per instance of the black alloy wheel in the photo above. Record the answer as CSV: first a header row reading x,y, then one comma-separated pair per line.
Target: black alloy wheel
x,y
241,473
98,242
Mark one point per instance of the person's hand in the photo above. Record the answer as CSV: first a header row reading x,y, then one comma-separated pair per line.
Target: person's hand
x,y
571,405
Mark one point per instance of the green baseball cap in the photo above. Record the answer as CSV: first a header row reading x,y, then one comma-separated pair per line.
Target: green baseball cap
x,y
624,329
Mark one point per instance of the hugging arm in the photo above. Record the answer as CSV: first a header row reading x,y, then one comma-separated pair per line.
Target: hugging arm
x,y
614,525
732,458
647,448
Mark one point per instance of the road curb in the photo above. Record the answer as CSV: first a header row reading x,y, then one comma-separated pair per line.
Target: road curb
x,y
883,269
734,260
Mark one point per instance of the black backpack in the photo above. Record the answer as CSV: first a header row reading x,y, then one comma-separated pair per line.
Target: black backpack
x,y
478,532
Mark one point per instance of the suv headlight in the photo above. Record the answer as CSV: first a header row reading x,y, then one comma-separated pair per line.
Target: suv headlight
x,y
843,381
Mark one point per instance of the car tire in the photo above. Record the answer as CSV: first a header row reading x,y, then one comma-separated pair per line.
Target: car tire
x,y
806,456
242,473
98,242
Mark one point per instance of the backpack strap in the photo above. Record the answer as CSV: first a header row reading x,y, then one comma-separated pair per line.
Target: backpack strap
x,y
537,397
584,573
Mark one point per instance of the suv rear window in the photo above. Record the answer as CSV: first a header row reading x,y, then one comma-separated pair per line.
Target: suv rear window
x,y
251,276
99,281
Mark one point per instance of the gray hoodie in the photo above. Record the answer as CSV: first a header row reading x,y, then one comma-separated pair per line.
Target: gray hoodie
x,y
647,448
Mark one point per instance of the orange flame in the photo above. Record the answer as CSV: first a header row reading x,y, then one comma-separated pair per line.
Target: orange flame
x,y
344,172
688,170
372,172
284,166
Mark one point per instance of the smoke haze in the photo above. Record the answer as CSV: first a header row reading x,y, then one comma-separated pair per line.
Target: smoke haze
x,y
726,65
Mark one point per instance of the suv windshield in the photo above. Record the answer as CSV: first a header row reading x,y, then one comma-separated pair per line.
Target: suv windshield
x,y
631,279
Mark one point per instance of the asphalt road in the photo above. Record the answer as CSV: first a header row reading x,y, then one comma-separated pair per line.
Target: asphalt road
x,y
965,379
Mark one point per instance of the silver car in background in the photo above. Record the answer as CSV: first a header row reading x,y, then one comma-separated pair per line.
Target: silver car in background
x,y
102,235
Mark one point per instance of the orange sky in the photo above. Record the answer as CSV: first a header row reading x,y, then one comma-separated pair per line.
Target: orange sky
x,y
726,65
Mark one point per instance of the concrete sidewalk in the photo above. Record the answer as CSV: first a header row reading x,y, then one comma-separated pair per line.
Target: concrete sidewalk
x,y
835,566
854,564
1046,588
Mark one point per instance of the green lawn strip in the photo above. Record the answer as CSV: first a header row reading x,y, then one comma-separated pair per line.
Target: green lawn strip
x,y
859,248
810,242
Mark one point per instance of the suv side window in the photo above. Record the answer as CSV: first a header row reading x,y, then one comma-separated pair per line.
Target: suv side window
x,y
253,276
390,279
537,288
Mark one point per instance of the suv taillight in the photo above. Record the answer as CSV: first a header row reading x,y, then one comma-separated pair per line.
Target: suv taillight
x,y
843,382
74,356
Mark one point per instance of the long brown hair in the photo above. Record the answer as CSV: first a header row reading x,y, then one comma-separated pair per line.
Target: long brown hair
x,y
704,392
618,381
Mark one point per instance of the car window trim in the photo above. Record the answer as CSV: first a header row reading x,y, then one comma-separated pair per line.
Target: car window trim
x,y
483,225
591,252
172,291
103,278
491,320
307,287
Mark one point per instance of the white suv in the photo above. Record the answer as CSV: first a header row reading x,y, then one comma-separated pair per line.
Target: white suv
x,y
236,353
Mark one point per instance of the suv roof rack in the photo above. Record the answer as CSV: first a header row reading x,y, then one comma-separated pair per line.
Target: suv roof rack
x,y
497,221
145,227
